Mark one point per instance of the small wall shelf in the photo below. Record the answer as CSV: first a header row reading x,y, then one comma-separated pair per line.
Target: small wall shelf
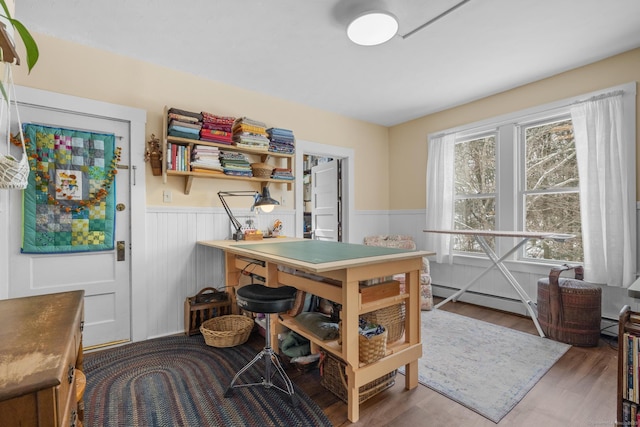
x,y
264,156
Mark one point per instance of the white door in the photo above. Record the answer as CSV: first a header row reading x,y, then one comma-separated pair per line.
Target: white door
x,y
105,280
324,196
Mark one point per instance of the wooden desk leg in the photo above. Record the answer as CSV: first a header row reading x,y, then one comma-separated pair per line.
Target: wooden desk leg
x,y
353,396
232,279
350,343
413,324
411,375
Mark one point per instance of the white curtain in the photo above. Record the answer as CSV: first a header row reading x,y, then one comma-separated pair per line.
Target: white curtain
x,y
440,192
606,165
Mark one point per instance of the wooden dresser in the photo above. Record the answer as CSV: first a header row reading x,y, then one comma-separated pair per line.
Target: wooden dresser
x,y
40,351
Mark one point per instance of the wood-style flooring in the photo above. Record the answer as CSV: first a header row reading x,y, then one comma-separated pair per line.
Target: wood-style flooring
x,y
579,390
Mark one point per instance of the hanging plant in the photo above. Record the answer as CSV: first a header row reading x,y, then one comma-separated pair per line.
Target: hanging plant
x,y
30,44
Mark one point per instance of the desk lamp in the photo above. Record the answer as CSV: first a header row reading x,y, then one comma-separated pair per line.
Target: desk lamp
x,y
262,201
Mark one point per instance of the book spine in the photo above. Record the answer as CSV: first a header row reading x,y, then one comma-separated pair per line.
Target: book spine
x,y
630,372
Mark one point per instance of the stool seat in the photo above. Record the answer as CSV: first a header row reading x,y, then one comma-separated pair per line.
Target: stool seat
x,y
264,299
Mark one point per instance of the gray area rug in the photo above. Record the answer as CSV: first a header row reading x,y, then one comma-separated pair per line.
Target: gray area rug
x,y
485,367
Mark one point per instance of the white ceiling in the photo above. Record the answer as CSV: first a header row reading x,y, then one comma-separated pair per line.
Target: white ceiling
x,y
298,49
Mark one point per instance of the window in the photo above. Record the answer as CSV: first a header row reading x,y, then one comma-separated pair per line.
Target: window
x,y
475,190
520,176
550,194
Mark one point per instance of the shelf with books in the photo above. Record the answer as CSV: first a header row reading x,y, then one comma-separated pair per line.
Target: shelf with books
x,y
180,159
628,399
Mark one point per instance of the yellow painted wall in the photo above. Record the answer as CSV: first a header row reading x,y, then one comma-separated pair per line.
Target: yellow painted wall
x,y
77,70
390,163
408,141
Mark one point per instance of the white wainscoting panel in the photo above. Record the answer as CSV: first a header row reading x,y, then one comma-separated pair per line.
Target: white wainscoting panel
x,y
179,268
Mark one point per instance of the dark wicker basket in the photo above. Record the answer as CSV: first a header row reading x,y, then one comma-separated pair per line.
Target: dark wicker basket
x,y
334,379
569,310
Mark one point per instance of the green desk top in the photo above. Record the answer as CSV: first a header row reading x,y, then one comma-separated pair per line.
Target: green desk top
x,y
319,251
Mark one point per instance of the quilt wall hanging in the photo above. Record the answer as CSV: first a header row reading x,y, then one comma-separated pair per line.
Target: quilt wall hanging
x,y
69,203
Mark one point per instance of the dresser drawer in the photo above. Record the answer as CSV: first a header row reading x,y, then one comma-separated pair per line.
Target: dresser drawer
x,y
66,391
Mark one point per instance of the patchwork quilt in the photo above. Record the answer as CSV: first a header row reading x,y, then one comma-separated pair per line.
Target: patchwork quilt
x,y
68,205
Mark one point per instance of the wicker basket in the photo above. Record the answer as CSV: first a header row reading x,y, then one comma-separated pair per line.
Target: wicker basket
x,y
569,310
370,349
226,331
334,379
261,170
392,318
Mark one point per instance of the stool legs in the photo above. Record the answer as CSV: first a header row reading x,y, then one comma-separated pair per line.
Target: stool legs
x,y
270,361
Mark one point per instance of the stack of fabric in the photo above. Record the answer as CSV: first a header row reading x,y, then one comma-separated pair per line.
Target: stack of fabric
x,y
281,141
205,158
184,124
235,164
282,173
248,133
217,129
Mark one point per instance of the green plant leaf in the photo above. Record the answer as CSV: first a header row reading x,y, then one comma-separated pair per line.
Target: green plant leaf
x,y
6,9
29,43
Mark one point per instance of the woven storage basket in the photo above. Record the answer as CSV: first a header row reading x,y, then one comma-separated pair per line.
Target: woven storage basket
x,y
370,349
226,331
373,348
392,318
334,379
261,170
569,310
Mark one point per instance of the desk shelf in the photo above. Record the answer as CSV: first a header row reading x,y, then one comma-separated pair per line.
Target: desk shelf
x,y
334,348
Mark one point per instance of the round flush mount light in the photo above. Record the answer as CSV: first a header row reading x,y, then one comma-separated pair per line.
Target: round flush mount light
x,y
372,28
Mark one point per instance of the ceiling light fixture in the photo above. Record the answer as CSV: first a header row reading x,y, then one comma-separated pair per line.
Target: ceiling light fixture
x,y
372,28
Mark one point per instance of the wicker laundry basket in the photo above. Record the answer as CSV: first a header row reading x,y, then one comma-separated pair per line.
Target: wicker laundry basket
x,y
569,310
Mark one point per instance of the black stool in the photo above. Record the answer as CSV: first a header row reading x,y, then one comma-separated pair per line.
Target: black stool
x,y
263,299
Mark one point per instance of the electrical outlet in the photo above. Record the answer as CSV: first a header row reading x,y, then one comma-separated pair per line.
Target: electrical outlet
x,y
166,196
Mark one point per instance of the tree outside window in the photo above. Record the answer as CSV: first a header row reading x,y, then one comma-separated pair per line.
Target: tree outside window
x,y
547,197
551,197
475,189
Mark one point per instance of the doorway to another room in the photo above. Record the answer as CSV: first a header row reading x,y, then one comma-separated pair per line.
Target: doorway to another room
x,y
324,195
322,198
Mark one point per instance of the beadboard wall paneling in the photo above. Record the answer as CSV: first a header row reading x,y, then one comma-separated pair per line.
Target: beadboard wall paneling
x,y
179,268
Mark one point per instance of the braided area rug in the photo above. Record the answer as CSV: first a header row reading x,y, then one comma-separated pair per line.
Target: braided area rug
x,y
180,381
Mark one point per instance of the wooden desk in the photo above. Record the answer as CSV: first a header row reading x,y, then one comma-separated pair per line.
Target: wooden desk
x,y
524,236
342,265
40,351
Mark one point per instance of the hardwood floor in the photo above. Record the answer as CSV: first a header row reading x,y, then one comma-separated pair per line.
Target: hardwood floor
x,y
579,390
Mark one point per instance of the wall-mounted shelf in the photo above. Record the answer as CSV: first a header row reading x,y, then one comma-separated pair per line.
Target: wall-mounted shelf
x,y
262,155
